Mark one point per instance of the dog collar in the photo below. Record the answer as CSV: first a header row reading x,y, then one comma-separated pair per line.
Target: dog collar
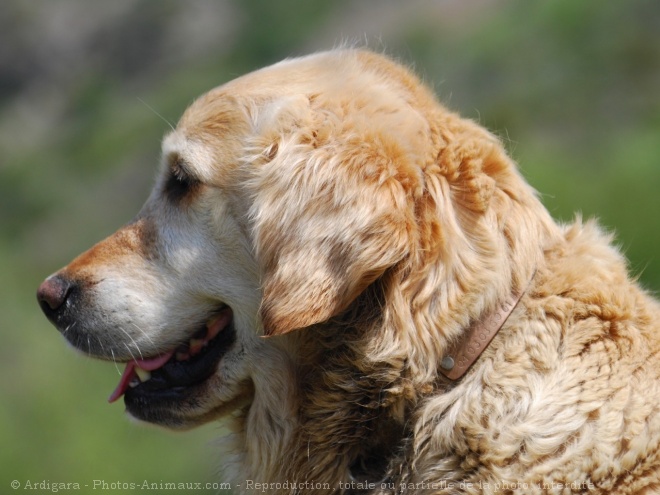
x,y
466,350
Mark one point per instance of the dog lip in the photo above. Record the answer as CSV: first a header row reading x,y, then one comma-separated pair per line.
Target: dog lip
x,y
179,371
129,372
174,378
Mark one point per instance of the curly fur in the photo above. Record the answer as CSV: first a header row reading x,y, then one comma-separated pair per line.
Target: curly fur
x,y
385,225
357,228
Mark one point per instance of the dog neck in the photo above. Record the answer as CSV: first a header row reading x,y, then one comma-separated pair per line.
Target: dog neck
x,y
464,351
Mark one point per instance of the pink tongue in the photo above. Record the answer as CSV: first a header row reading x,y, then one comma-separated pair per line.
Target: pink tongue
x,y
155,363
129,372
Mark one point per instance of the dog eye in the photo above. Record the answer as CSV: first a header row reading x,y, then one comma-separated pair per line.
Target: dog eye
x,y
179,185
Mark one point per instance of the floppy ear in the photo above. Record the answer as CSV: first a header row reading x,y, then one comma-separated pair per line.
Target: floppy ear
x,y
328,219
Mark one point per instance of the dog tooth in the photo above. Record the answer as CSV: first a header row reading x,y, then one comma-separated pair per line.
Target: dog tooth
x,y
143,374
134,382
195,346
218,323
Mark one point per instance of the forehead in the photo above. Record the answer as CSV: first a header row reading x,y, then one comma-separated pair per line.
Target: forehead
x,y
216,130
208,137
213,131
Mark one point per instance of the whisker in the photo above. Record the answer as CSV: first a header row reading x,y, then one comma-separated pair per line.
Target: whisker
x,y
69,327
129,351
134,343
146,334
98,339
114,360
155,112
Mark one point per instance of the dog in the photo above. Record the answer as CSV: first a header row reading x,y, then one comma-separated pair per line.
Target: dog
x,y
361,284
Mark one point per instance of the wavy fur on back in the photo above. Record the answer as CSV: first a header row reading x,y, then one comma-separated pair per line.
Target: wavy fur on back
x,y
385,225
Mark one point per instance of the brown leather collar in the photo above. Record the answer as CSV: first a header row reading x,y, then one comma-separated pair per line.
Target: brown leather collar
x,y
466,350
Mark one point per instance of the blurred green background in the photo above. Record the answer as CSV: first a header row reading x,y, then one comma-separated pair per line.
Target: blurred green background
x,y
573,87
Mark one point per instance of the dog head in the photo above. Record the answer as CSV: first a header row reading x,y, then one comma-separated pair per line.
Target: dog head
x,y
282,196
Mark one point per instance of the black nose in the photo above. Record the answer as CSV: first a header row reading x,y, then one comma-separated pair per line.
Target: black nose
x,y
52,295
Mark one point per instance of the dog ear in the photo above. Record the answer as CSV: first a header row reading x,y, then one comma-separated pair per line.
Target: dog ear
x,y
328,220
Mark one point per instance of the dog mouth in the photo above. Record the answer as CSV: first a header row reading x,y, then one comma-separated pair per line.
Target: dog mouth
x,y
170,374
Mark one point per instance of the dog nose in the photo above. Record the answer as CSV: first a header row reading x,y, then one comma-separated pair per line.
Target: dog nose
x,y
52,294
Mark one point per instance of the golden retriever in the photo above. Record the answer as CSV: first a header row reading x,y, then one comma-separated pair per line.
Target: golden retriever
x,y
364,287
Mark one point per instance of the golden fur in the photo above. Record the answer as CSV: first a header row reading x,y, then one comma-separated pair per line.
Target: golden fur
x,y
356,227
